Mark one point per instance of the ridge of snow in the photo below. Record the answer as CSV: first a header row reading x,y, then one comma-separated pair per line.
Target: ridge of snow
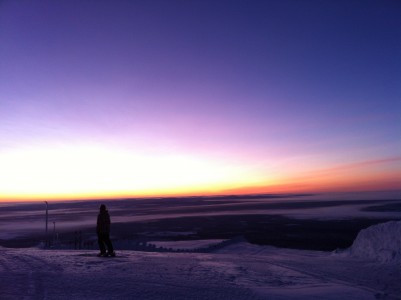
x,y
381,242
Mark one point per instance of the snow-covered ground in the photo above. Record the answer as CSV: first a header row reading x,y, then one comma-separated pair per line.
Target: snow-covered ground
x,y
238,271
185,245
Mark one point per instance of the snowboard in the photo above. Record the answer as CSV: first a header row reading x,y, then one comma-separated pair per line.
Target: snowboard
x,y
97,255
107,255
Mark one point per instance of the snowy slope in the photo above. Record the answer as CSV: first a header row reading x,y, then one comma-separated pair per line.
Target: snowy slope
x,y
381,242
239,271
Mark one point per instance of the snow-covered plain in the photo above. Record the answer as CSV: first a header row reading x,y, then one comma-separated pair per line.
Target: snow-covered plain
x,y
238,271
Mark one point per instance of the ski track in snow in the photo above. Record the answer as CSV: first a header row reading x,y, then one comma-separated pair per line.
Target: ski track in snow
x,y
239,271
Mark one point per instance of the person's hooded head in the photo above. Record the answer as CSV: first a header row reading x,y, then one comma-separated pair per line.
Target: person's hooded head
x,y
103,208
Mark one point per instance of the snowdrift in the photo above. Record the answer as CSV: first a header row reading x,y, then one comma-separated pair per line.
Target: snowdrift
x,y
380,242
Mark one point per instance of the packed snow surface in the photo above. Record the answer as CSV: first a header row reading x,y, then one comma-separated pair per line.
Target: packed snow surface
x,y
238,271
381,242
185,245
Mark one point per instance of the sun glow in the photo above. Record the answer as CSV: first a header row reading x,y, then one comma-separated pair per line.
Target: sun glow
x,y
87,171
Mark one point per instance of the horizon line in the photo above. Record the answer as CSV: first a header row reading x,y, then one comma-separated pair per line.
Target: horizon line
x,y
200,196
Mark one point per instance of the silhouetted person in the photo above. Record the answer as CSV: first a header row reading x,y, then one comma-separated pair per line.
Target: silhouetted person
x,y
103,232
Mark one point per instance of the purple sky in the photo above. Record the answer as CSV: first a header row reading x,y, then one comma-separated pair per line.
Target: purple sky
x,y
268,89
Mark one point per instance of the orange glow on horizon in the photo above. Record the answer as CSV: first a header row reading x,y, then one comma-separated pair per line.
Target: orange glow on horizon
x,y
90,172
96,173
295,186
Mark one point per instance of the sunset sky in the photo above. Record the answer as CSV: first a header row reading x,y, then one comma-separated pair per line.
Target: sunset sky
x,y
154,98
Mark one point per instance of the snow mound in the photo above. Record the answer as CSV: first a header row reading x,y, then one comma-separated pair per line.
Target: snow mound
x,y
380,242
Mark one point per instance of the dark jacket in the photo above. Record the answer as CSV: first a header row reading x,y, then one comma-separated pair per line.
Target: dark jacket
x,y
103,222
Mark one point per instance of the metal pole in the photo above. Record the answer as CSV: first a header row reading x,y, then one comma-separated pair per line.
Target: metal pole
x,y
47,219
54,232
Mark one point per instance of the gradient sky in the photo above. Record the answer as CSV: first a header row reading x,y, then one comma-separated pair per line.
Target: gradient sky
x,y
133,98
